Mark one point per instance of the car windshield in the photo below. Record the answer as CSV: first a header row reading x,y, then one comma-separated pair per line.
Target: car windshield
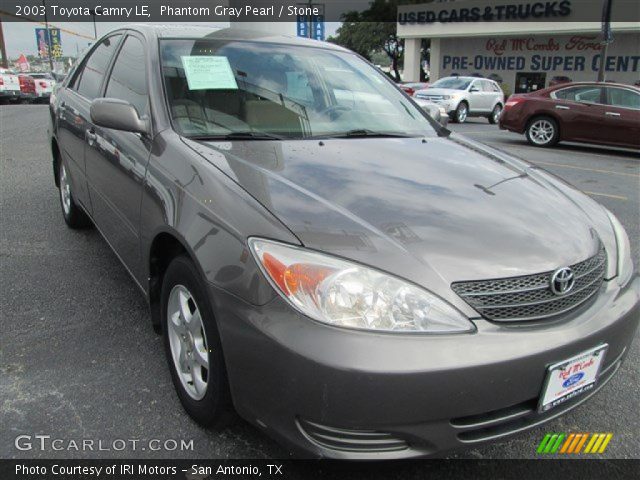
x,y
253,90
454,83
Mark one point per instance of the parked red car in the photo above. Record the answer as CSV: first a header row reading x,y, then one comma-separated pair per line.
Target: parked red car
x,y
413,87
27,88
600,113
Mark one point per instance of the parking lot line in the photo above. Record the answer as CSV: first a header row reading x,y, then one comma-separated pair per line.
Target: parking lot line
x,y
564,165
608,195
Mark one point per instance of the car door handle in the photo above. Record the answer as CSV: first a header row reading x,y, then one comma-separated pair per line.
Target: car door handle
x,y
612,114
91,136
562,107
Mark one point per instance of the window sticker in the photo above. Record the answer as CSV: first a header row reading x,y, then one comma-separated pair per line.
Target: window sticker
x,y
209,73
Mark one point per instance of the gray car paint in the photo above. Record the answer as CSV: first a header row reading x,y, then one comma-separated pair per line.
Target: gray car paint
x,y
432,210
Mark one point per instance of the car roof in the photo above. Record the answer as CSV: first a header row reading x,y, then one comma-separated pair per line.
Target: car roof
x,y
466,77
594,84
190,31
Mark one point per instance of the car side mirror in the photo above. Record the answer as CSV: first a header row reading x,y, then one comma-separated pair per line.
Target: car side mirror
x,y
474,89
117,114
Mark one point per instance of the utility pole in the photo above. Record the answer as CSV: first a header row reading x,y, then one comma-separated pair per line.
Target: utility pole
x,y
4,63
46,24
607,37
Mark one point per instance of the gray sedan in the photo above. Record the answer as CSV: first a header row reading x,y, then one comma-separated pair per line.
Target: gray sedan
x,y
323,257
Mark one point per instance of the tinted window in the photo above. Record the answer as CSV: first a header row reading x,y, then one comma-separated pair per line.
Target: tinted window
x,y
585,93
621,97
487,86
94,68
128,79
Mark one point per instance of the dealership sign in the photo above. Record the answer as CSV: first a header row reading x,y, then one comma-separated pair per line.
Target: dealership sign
x,y
577,53
501,12
53,40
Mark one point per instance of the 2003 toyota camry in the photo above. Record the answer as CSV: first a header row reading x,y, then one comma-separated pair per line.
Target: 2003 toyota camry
x,y
327,260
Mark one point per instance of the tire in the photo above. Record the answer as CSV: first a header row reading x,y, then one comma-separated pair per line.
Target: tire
x,y
461,113
494,117
191,339
73,215
542,132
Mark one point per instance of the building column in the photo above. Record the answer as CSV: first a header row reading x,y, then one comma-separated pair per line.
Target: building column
x,y
435,61
411,60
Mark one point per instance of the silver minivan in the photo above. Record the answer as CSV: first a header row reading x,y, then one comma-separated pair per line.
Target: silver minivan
x,y
464,97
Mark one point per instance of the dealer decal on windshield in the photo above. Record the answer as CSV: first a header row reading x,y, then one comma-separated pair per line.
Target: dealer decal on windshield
x,y
209,73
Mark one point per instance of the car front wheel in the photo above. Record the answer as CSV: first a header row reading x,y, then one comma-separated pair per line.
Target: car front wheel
x,y
192,346
461,113
73,215
542,132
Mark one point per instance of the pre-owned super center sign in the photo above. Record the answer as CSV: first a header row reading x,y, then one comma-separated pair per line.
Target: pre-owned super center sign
x,y
576,56
572,53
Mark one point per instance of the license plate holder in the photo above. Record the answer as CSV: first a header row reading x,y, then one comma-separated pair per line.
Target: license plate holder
x,y
572,377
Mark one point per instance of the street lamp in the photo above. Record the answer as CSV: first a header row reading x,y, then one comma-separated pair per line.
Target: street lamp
x,y
607,37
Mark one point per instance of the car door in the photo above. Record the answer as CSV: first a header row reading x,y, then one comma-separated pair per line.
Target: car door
x,y
476,97
73,120
116,160
581,111
621,124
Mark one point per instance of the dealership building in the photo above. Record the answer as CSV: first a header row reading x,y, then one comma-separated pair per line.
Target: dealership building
x,y
525,55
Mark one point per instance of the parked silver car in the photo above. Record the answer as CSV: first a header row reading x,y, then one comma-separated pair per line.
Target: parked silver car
x,y
464,97
324,258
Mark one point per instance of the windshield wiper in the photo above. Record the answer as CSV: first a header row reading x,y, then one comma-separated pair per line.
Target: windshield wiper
x,y
248,135
364,132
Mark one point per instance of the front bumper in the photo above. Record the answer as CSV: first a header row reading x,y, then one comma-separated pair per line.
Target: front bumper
x,y
330,392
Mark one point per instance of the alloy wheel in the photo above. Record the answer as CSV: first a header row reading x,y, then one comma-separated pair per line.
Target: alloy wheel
x,y
541,132
65,191
188,342
497,111
462,112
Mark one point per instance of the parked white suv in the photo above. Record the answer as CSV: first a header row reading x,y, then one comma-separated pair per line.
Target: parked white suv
x,y
464,97
9,85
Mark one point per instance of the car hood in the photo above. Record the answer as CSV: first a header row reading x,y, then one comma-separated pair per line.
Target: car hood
x,y
433,211
440,91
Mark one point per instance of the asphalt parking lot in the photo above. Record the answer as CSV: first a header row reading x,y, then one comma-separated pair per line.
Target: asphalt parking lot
x,y
78,357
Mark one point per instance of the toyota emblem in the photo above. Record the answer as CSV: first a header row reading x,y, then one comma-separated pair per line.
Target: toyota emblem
x,y
562,281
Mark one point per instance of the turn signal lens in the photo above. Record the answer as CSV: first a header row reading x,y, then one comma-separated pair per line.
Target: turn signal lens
x,y
346,294
624,265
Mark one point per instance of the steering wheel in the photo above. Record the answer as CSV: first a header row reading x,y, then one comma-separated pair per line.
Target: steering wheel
x,y
334,111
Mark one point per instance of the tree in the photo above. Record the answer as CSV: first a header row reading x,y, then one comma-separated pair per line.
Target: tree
x,y
364,33
374,30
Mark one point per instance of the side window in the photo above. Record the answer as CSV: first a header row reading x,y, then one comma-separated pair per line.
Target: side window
x,y
89,80
128,80
579,94
476,86
487,86
621,97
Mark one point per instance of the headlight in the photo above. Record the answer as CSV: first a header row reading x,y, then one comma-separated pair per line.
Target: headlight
x,y
346,294
447,97
624,262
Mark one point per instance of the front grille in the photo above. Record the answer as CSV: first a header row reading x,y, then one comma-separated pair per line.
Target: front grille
x,y
530,297
363,441
433,98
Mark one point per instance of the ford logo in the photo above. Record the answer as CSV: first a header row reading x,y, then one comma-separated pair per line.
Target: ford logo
x,y
573,379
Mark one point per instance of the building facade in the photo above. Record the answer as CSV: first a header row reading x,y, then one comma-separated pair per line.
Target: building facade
x,y
524,55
